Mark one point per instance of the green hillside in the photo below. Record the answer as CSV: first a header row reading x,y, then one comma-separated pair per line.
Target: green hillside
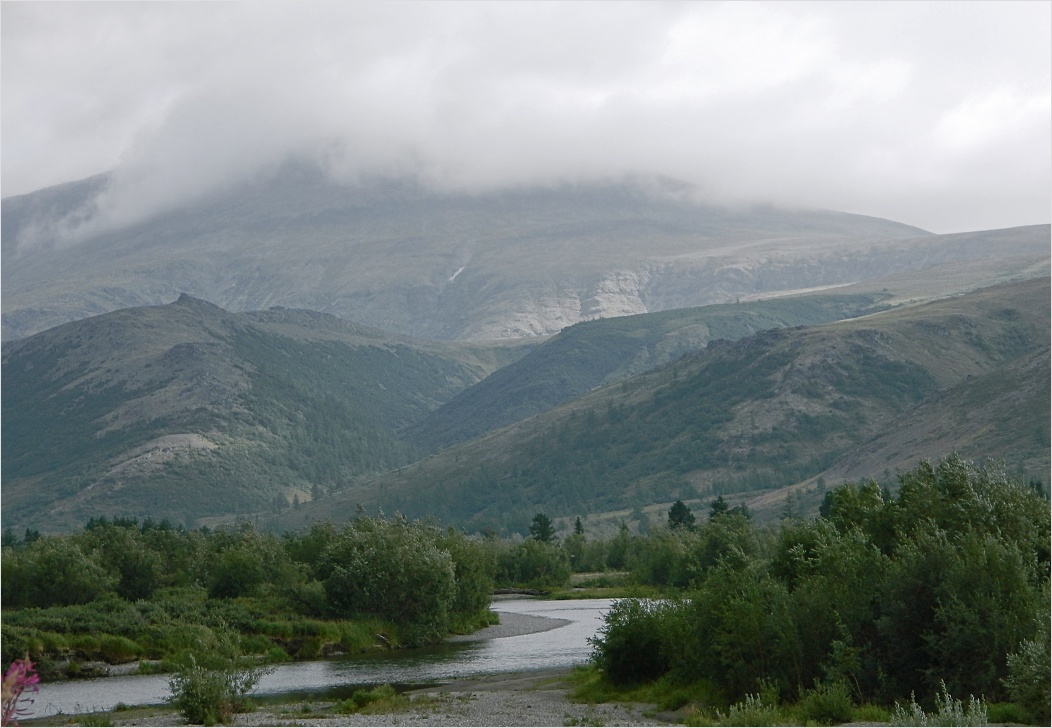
x,y
758,414
589,354
194,414
186,411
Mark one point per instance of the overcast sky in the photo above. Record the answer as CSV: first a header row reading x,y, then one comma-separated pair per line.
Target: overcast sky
x,y
937,114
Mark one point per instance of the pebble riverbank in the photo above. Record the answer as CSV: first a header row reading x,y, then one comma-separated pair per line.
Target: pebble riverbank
x,y
533,698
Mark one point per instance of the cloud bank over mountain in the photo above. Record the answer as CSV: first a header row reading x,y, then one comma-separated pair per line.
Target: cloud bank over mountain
x,y
933,114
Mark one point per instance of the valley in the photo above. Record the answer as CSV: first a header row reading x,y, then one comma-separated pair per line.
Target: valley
x,y
200,416
297,349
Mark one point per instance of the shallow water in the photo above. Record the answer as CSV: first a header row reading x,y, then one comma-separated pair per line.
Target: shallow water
x,y
564,646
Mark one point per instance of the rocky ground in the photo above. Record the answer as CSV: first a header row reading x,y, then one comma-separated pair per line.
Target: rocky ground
x,y
513,699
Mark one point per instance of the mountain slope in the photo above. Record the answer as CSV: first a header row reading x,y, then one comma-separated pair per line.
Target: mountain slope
x,y
185,410
1000,418
1001,415
589,354
764,412
435,265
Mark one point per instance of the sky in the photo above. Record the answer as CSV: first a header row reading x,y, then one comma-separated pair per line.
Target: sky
x,y
936,114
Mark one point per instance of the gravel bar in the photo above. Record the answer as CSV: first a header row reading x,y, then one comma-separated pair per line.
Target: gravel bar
x,y
512,625
530,698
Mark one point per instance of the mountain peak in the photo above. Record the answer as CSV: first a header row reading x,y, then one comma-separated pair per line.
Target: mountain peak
x,y
186,300
392,255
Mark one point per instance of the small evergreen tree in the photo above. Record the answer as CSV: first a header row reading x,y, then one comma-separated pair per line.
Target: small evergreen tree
x,y
542,529
680,516
718,507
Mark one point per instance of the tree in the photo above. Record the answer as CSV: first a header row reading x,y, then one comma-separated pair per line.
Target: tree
x,y
541,529
578,529
680,516
718,507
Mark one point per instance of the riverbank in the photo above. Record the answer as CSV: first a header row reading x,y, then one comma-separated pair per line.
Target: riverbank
x,y
512,624
513,699
520,696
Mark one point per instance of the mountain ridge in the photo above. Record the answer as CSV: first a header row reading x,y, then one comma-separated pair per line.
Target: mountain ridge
x,y
392,254
771,410
186,410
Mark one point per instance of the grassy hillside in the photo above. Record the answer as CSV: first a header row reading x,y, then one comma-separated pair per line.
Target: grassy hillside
x,y
768,411
593,353
186,411
191,413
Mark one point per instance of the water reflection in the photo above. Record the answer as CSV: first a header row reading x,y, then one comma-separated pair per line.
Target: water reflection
x,y
564,646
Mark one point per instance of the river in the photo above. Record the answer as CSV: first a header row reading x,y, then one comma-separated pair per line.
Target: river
x,y
563,646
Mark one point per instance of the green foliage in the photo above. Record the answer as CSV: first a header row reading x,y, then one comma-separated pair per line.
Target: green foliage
x,y
391,569
943,589
634,643
53,571
408,583
666,558
532,563
116,649
474,567
541,528
949,712
209,688
363,698
753,711
1028,677
680,516
827,704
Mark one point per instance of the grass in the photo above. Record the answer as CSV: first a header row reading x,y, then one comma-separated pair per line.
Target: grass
x,y
156,631
700,704
384,699
379,700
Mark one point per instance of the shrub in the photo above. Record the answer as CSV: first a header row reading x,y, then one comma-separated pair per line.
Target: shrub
x,y
116,649
827,704
534,564
277,654
209,689
1028,679
392,570
54,571
1007,713
752,711
85,644
631,647
949,712
362,698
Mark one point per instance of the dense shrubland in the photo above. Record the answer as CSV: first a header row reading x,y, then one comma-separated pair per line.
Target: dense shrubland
x,y
942,589
122,590
119,591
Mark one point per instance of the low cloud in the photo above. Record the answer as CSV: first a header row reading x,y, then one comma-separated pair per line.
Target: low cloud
x,y
934,114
